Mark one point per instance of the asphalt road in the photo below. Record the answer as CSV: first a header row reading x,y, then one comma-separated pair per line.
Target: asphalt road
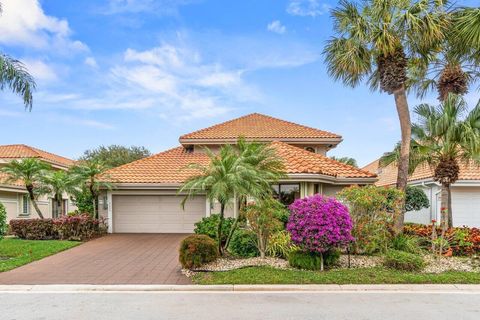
x,y
239,305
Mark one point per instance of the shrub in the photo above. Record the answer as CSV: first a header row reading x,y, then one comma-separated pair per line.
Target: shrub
x,y
415,199
209,225
407,243
372,210
404,261
318,224
78,227
312,260
280,244
243,243
197,250
33,229
3,221
282,214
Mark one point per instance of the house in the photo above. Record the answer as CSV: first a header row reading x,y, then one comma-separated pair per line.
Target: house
x,y
144,198
465,192
14,196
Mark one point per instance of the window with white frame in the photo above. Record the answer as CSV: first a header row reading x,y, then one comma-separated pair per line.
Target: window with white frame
x,y
25,205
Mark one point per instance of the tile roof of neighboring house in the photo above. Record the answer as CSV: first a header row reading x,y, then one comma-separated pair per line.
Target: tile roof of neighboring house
x,y
171,166
388,175
17,151
260,127
3,178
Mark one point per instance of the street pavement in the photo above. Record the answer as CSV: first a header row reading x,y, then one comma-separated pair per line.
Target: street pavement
x,y
249,305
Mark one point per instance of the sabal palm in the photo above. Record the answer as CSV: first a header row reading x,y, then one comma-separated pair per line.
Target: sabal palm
x,y
374,42
445,137
92,175
30,172
244,171
59,182
457,66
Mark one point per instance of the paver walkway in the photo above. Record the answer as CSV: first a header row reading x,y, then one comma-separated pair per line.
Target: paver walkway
x,y
113,259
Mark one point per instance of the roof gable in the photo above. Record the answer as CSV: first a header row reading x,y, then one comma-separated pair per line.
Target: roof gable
x,y
19,151
259,127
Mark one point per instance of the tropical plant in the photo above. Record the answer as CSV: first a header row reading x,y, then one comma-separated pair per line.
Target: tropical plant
x,y
312,260
444,137
404,261
280,244
243,243
59,182
416,199
347,160
319,224
196,250
83,199
245,170
209,225
407,243
3,221
115,155
94,177
29,172
375,41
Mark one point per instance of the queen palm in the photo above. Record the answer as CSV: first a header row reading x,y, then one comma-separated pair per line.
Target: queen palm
x,y
244,171
59,182
375,41
445,137
30,172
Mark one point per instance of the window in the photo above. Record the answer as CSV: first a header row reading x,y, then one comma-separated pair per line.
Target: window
x,y
310,149
25,205
286,193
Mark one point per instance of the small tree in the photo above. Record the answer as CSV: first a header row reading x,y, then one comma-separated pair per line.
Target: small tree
x,y
3,221
319,224
30,172
261,216
416,199
115,155
58,183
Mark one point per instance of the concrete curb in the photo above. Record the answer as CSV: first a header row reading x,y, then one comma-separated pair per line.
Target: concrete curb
x,y
422,288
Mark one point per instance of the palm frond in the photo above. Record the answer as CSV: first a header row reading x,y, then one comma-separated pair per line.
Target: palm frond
x,y
15,76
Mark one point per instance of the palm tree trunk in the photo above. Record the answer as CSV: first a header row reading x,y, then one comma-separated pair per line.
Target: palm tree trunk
x,y
219,229
406,128
444,208
450,212
60,204
34,203
94,199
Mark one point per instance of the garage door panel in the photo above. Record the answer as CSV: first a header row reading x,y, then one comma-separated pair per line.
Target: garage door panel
x,y
466,206
156,214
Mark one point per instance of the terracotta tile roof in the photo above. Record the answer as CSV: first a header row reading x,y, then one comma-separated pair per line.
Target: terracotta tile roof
x,y
3,178
170,166
17,151
260,127
388,175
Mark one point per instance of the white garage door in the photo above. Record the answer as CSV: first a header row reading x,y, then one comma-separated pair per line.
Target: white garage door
x,y
466,206
156,214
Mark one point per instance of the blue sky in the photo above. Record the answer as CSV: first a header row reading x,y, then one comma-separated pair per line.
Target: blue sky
x,y
143,72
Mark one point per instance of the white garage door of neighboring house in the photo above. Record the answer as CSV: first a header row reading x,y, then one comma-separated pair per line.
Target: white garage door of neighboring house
x,y
466,206
156,214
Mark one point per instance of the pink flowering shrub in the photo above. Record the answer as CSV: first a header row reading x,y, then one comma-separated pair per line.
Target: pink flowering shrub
x,y
318,224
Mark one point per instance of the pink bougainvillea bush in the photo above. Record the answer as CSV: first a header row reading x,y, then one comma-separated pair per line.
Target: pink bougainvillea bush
x,y
318,224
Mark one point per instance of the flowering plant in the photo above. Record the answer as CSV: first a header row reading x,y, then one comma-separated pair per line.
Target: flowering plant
x,y
318,224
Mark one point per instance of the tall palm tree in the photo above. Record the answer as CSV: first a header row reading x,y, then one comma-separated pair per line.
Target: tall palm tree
x,y
445,137
93,175
457,66
15,76
242,171
30,172
59,182
375,41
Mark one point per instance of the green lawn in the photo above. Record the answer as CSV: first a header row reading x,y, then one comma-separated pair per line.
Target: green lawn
x,y
16,252
268,275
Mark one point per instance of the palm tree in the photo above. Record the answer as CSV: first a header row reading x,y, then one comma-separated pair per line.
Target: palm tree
x,y
59,182
93,175
443,138
457,66
347,160
243,171
375,41
15,76
30,172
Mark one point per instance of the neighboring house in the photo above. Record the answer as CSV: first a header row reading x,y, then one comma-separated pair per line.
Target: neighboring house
x,y
465,192
15,197
144,198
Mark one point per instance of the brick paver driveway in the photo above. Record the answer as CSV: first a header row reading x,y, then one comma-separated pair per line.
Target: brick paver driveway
x,y
113,259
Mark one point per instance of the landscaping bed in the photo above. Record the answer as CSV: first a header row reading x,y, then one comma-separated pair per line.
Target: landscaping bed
x,y
16,252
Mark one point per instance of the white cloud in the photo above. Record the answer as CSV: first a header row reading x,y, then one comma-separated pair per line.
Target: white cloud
x,y
40,70
163,7
304,8
24,23
277,27
91,62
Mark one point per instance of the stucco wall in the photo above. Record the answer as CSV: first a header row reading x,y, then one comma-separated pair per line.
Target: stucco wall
x,y
13,204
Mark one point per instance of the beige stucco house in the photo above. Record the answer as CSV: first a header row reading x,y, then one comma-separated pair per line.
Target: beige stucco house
x,y
14,196
144,198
